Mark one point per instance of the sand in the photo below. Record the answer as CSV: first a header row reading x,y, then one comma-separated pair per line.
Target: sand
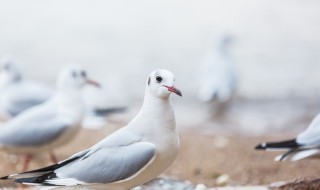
x,y
201,160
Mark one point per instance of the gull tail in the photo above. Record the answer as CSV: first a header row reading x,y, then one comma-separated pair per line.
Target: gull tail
x,y
43,176
39,176
277,146
38,179
296,155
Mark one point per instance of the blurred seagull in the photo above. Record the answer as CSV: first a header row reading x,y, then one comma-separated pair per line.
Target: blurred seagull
x,y
51,124
98,118
306,144
99,102
100,105
131,156
18,94
218,78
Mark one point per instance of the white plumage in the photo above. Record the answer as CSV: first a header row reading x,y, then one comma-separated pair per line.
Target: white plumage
x,y
131,156
218,77
18,94
306,144
51,124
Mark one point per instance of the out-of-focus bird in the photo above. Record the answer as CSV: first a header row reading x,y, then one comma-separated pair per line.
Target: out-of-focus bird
x,y
18,94
218,77
51,124
306,144
131,156
100,105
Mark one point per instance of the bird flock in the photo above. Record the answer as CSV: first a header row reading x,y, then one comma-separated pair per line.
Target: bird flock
x,y
38,119
131,156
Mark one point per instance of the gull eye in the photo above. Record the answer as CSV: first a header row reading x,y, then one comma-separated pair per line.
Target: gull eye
x,y
83,74
158,79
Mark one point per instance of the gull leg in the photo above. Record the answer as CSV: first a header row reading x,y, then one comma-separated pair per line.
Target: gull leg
x,y
53,158
27,159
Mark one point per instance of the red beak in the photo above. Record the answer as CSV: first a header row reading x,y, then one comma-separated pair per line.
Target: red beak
x,y
174,90
94,83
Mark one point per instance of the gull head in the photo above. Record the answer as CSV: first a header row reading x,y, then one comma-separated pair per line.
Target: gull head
x,y
74,77
9,71
223,41
160,83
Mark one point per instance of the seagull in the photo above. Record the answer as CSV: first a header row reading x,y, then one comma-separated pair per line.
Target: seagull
x,y
218,78
51,124
306,144
98,117
18,94
99,102
131,156
100,106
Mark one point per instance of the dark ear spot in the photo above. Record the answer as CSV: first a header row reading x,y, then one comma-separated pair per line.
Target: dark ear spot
x,y
149,81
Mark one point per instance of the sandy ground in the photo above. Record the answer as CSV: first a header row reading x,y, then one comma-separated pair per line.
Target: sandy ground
x,y
202,159
214,149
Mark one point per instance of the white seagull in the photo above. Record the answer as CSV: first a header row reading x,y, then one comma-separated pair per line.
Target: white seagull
x,y
131,156
51,124
100,105
306,144
18,94
218,78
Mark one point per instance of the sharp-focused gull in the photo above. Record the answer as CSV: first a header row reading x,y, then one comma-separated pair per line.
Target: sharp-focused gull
x,y
51,124
306,144
218,78
18,94
131,156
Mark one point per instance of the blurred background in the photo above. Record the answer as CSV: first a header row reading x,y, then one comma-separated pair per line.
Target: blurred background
x,y
275,49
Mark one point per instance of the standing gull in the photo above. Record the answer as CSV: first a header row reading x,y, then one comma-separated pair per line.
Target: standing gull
x,y
306,144
51,124
100,106
131,156
218,78
18,94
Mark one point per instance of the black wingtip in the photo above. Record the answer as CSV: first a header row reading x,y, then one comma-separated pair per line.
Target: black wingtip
x,y
261,146
4,178
38,179
288,144
282,158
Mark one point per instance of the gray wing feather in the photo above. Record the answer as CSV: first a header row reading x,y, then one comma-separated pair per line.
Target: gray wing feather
x,y
25,95
103,112
32,132
107,165
17,107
